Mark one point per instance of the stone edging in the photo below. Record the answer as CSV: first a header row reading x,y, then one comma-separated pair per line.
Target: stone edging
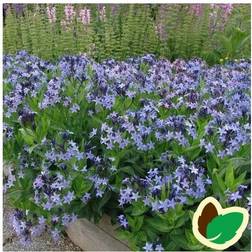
x,y
91,237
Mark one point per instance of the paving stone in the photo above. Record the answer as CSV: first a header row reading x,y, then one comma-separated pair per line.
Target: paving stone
x,y
105,225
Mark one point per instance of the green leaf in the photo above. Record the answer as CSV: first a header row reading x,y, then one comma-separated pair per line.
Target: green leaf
x,y
159,224
192,152
223,228
106,197
127,169
151,234
27,135
26,183
180,241
140,236
138,208
229,176
124,235
211,164
43,126
181,221
15,195
216,159
240,180
240,162
191,213
81,185
191,238
31,149
171,246
218,183
136,222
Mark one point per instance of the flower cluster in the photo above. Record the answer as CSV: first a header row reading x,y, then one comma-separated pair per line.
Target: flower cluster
x,y
233,197
123,221
69,16
51,13
85,16
187,181
197,9
25,228
26,75
219,14
69,12
102,12
148,247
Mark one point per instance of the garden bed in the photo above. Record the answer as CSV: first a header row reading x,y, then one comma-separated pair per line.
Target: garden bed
x,y
121,120
144,140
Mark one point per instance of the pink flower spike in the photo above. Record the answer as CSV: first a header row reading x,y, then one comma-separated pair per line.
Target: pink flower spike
x,y
69,12
85,16
51,13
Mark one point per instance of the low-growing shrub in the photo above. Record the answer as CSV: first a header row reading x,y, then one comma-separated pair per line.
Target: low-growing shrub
x,y
143,140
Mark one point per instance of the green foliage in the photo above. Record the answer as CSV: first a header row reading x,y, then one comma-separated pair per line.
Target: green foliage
x,y
232,45
81,185
147,227
171,31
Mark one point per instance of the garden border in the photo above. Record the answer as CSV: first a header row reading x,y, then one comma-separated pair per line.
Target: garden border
x,y
92,237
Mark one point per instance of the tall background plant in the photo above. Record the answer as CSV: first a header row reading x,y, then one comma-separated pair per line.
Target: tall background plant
x,y
214,32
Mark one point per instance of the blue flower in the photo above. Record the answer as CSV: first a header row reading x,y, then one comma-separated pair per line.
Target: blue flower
x,y
123,221
75,108
55,233
67,199
148,247
86,197
233,197
209,148
159,248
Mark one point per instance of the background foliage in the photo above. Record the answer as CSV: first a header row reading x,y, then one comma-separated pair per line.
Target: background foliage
x,y
213,32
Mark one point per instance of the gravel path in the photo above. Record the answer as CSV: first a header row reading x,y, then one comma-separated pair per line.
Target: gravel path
x,y
42,243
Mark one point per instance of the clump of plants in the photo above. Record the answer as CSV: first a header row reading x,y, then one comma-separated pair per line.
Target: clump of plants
x,y
214,32
143,140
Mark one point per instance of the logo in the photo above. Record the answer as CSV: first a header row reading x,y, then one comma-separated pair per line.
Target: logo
x,y
216,227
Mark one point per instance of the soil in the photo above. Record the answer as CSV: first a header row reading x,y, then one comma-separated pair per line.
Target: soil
x,y
42,243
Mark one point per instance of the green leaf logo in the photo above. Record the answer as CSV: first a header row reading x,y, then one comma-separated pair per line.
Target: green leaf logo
x,y
217,230
216,227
